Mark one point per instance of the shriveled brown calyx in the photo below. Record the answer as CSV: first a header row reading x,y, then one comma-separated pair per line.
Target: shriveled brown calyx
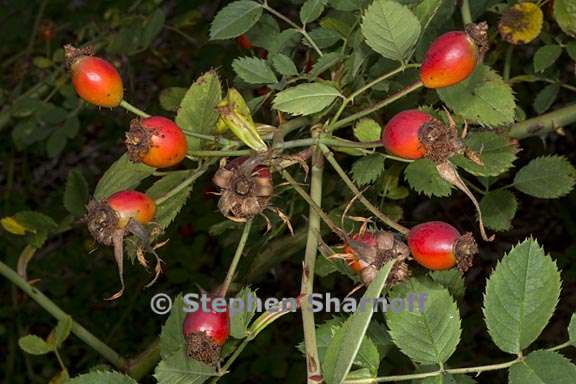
x,y
71,53
246,190
138,140
201,347
440,141
479,34
101,220
465,249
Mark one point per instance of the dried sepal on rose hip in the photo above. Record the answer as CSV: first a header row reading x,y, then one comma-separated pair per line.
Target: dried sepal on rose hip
x,y
246,188
437,245
156,141
95,80
111,219
205,332
367,251
453,56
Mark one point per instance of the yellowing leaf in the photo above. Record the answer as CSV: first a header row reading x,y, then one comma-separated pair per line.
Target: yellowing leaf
x,y
521,23
12,226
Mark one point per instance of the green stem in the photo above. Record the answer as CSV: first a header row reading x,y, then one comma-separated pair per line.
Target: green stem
x,y
192,178
466,14
82,333
139,366
129,107
231,359
543,124
385,219
307,286
376,107
62,366
300,29
236,259
508,62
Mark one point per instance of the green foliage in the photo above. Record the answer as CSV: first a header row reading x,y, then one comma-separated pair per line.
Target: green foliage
x,y
254,70
284,65
546,56
122,175
311,10
100,377
424,178
197,112
498,209
521,295
366,170
390,29
495,152
76,193
326,62
452,280
546,97
179,368
172,337
235,19
572,329
542,367
367,130
483,98
169,208
427,335
170,98
546,177
306,99
565,14
34,345
240,320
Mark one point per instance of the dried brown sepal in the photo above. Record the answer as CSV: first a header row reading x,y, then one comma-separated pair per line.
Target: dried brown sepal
x,y
201,347
440,141
479,34
465,250
138,140
101,220
245,193
72,53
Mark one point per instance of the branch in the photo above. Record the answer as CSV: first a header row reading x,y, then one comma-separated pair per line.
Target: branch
x,y
543,124
236,259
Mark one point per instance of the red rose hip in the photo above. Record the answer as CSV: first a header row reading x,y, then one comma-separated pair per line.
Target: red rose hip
x,y
453,56
132,205
437,245
156,141
206,331
95,80
402,135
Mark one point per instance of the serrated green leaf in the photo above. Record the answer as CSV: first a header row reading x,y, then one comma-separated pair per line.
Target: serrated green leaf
x,y
496,153
76,193
571,49
100,377
367,169
483,98
235,19
284,42
546,56
306,99
572,329
346,343
565,15
346,5
170,98
546,177
60,332
254,70
426,10
521,295
35,221
123,174
284,65
423,177
34,345
178,368
169,209
171,336
447,379
325,62
311,10
390,29
452,280
498,209
367,130
543,367
427,335
241,314
545,98
324,38
197,112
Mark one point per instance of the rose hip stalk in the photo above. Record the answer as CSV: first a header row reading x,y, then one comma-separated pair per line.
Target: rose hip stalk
x,y
205,333
110,219
453,56
438,246
156,141
94,79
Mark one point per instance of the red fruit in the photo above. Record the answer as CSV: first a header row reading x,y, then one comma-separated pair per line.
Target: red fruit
x,y
205,333
132,205
156,141
402,135
450,59
244,41
94,79
437,246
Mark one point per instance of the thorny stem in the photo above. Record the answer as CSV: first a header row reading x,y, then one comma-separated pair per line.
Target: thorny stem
x,y
192,178
385,219
543,124
508,62
129,107
236,259
390,99
300,29
307,287
454,371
